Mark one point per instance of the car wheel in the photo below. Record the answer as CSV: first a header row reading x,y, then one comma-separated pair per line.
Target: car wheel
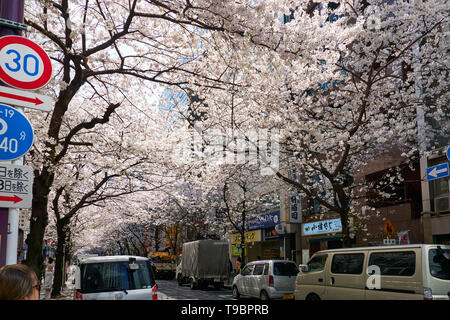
x,y
236,294
180,280
312,297
193,285
264,295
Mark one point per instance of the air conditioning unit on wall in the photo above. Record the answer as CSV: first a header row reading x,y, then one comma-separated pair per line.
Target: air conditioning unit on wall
x,y
442,203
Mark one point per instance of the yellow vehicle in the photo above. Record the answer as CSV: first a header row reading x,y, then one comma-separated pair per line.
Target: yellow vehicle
x,y
165,264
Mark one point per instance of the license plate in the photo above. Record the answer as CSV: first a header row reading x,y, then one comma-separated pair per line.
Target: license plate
x,y
287,296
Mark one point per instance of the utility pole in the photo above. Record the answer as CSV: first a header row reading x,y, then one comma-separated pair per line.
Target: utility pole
x,y
11,23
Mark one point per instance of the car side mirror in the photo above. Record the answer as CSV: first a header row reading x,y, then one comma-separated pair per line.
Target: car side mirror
x,y
303,268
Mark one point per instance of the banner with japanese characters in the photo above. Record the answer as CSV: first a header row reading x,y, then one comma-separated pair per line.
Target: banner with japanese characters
x,y
321,227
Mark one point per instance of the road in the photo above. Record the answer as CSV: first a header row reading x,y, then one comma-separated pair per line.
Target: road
x,y
170,290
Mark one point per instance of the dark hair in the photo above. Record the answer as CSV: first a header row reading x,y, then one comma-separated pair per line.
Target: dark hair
x,y
16,282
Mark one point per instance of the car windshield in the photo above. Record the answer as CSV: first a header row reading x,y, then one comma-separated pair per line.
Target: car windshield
x,y
439,260
285,269
115,276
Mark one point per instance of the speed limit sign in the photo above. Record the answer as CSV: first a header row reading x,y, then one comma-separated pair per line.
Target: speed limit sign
x,y
23,63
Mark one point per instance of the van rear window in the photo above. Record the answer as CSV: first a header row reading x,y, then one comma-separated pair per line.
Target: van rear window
x,y
439,263
284,269
398,263
115,276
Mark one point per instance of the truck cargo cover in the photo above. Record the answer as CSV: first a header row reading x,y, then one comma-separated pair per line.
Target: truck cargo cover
x,y
205,259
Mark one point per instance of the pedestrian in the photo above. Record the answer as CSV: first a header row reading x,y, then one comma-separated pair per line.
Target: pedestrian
x,y
18,282
48,279
238,264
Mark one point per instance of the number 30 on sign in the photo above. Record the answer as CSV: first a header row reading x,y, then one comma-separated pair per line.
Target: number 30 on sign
x,y
23,64
16,133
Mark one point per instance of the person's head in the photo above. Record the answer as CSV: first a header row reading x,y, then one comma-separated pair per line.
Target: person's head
x,y
18,282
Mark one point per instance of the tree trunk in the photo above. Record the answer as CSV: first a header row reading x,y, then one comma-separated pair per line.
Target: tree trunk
x,y
59,263
38,223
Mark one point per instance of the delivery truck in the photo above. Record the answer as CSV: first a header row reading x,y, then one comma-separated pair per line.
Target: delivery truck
x,y
204,263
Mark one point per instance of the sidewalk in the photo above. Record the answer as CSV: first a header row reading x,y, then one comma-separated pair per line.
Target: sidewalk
x,y
66,294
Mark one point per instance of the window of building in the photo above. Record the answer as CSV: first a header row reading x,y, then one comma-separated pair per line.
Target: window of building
x,y
386,189
351,263
394,263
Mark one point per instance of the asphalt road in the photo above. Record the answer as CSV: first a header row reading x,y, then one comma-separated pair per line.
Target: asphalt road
x,y
170,290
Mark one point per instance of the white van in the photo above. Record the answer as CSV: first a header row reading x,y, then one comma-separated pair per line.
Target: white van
x,y
115,278
375,273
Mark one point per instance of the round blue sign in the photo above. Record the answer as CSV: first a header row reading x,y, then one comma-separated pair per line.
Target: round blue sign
x,y
16,133
448,152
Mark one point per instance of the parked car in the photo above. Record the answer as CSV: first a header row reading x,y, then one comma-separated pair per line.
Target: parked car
x,y
266,279
115,278
374,273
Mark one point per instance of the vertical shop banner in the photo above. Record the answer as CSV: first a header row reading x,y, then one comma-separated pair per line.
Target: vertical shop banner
x,y
295,208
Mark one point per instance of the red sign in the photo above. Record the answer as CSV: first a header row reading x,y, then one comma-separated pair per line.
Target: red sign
x,y
23,63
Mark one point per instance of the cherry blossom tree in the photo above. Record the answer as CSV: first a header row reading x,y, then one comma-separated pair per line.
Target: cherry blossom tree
x,y
341,82
106,55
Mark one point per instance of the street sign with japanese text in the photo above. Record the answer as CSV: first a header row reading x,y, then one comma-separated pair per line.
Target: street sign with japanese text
x,y
16,186
437,171
16,133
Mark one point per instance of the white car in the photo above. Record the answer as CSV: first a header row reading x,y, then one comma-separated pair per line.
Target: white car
x,y
115,278
266,279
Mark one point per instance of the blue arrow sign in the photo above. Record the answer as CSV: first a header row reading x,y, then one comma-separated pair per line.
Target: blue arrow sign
x,y
438,171
16,133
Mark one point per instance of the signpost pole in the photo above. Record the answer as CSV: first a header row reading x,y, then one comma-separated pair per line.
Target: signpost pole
x,y
12,10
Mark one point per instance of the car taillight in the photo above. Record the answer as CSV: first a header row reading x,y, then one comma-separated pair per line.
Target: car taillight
x,y
155,292
78,295
270,281
427,294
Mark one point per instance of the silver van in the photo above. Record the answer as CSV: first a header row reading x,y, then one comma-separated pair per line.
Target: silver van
x,y
374,273
266,279
115,278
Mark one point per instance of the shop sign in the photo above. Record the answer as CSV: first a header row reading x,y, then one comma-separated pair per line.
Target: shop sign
x,y
262,221
403,237
295,211
321,227
250,236
237,251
